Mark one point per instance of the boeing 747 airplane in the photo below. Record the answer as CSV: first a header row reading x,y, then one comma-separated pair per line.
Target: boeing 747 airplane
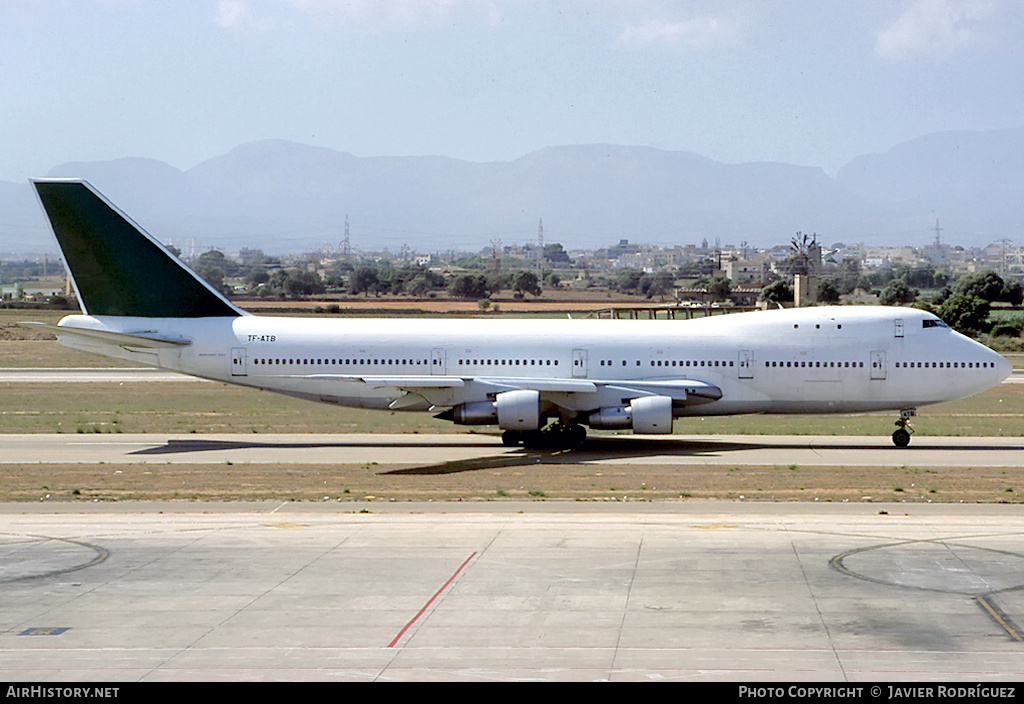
x,y
540,381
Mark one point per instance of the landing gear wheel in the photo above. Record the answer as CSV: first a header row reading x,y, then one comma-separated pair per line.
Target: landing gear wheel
x,y
512,438
534,440
901,438
564,436
577,435
557,436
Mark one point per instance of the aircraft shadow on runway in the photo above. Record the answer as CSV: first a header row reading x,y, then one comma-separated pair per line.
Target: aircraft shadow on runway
x,y
594,449
631,447
172,447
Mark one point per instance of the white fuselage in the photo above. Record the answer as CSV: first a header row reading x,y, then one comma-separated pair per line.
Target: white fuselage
x,y
811,360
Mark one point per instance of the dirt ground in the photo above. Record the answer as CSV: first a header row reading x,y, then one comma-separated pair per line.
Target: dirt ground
x,y
525,475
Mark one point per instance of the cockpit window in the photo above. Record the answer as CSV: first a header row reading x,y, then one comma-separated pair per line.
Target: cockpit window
x,y
933,323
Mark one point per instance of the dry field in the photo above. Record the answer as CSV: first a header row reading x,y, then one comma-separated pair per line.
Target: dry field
x,y
526,477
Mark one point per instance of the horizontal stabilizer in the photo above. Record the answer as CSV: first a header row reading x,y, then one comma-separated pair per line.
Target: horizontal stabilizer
x,y
134,340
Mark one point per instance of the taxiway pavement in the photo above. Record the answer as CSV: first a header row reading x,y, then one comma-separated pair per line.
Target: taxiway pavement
x,y
511,591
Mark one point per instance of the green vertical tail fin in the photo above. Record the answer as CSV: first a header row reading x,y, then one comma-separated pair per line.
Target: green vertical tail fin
x,y
116,267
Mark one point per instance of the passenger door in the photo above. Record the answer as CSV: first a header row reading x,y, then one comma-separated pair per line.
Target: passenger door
x,y
579,364
878,367
238,361
438,361
746,364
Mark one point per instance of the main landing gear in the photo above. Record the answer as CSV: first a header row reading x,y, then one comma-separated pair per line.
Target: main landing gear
x,y
557,436
901,438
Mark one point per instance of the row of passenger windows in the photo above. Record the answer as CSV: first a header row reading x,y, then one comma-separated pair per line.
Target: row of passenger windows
x,y
815,364
946,365
608,363
509,362
682,363
899,365
336,362
409,362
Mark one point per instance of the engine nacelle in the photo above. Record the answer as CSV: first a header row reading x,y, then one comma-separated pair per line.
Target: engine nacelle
x,y
511,410
652,415
518,410
648,415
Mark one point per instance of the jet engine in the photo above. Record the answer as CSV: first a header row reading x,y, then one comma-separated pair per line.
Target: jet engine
x,y
518,410
513,410
648,415
475,413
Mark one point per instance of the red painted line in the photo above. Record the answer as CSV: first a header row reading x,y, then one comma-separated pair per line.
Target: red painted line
x,y
431,601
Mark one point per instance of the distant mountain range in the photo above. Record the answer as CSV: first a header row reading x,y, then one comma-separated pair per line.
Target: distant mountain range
x,y
286,197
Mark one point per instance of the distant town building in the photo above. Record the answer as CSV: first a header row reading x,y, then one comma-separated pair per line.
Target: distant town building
x,y
743,272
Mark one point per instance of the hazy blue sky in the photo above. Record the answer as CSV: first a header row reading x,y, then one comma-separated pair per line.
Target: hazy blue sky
x,y
812,82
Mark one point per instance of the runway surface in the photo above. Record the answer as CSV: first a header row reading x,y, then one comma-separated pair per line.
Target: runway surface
x,y
511,592
422,449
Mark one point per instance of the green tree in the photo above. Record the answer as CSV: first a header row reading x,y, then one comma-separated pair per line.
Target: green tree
x,y
424,282
212,275
828,291
986,285
469,286
255,276
1013,293
303,283
897,293
651,285
847,276
628,280
920,276
720,288
215,259
1007,329
966,314
363,280
555,254
780,291
289,283
524,282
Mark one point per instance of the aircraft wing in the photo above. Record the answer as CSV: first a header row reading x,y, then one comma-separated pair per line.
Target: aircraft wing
x,y
142,339
379,381
682,391
451,382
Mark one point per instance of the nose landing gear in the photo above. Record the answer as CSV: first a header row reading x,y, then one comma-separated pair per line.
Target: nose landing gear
x,y
901,438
